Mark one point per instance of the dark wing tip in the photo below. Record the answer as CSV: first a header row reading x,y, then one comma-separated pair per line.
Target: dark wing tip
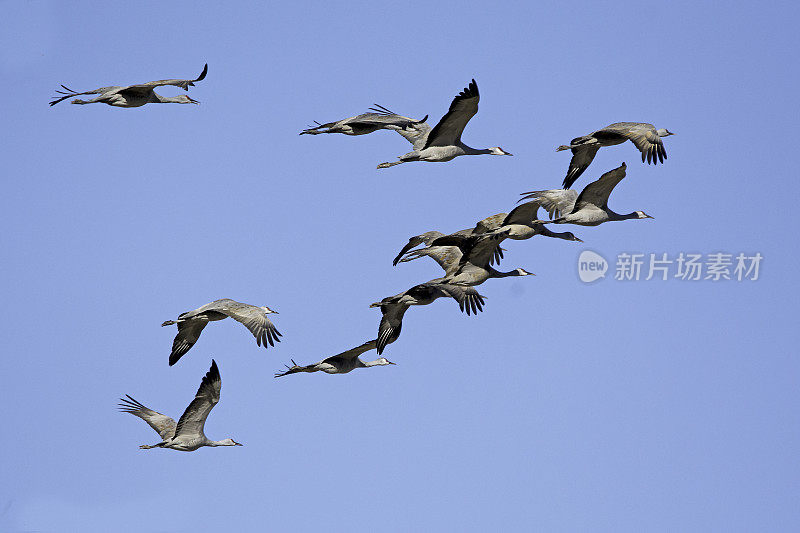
x,y
213,372
203,74
470,90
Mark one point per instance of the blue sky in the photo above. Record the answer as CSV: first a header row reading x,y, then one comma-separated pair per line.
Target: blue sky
x,y
612,406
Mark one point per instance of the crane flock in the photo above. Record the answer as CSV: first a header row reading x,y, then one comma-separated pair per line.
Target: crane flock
x,y
466,256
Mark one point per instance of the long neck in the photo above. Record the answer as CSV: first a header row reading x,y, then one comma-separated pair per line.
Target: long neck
x,y
497,274
158,99
616,216
555,234
369,363
474,151
224,442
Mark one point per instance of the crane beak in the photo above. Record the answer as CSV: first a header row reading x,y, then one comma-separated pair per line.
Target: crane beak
x,y
578,239
376,304
192,100
238,443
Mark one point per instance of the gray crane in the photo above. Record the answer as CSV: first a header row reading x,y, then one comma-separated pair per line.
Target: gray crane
x,y
134,95
340,363
394,307
522,223
590,207
447,257
191,324
379,118
477,251
443,142
645,136
187,435
448,253
423,238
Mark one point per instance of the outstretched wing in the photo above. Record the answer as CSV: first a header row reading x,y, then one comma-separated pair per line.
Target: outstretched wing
x,y
597,192
194,417
490,223
164,425
467,297
352,353
143,88
448,257
557,202
523,214
390,325
479,249
188,333
449,129
378,118
254,318
416,240
645,138
582,157
416,133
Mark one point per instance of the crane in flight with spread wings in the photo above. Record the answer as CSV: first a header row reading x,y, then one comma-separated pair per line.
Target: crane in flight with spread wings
x,y
341,363
394,307
133,95
187,435
645,136
589,208
191,323
443,142
378,118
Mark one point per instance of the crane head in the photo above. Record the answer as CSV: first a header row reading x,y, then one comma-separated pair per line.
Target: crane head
x,y
185,99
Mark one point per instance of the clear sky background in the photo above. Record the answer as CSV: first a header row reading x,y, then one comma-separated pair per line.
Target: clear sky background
x,y
562,407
